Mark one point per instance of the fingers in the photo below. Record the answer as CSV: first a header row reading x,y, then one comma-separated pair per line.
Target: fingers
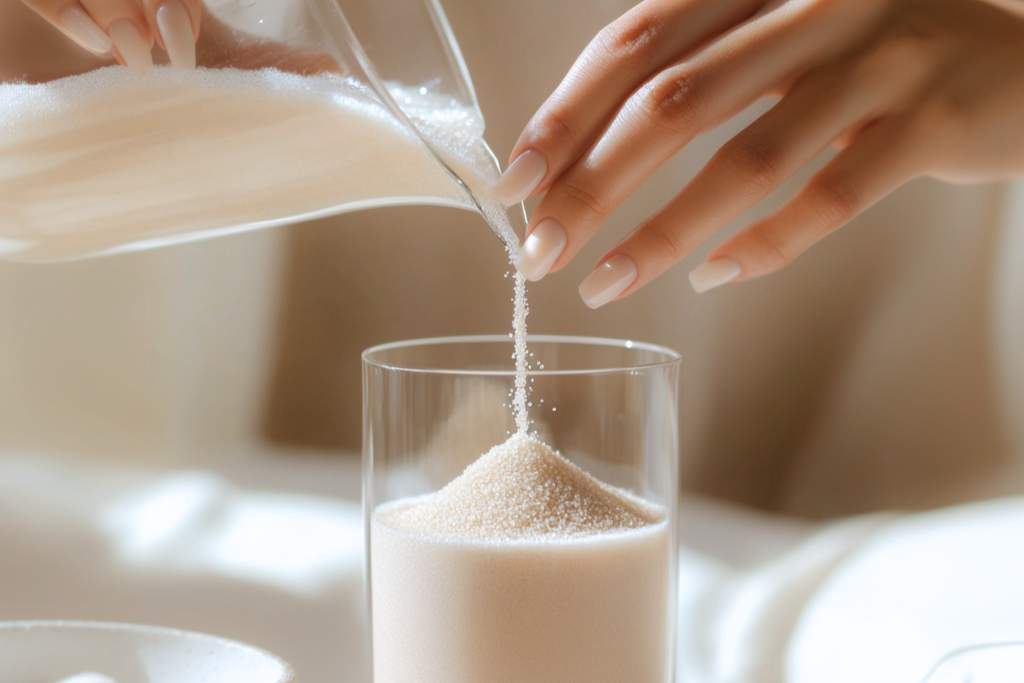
x,y
126,25
682,101
71,19
616,62
128,28
879,161
175,24
821,108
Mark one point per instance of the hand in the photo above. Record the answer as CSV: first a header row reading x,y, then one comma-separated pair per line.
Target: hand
x,y
904,88
128,28
27,56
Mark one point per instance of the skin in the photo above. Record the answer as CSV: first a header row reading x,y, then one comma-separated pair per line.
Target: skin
x,y
903,89
142,13
31,51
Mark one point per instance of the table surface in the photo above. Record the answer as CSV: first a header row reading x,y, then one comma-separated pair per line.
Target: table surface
x,y
267,549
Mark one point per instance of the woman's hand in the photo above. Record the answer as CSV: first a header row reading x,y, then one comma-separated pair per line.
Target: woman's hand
x,y
128,28
904,88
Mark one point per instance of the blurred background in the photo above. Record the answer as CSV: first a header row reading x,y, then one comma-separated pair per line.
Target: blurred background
x,y
179,429
879,371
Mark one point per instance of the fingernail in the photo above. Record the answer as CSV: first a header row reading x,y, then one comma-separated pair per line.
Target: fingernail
x,y
133,48
607,281
541,249
84,31
521,178
714,274
176,29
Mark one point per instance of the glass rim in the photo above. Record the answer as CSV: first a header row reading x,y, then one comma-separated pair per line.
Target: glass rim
x,y
968,650
21,626
671,356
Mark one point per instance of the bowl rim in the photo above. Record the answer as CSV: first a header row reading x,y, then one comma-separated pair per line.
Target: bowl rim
x,y
287,674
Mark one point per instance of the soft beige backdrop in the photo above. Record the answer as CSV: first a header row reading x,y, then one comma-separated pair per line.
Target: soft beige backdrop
x,y
879,371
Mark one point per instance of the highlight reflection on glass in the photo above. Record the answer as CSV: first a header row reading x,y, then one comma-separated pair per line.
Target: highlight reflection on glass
x,y
990,663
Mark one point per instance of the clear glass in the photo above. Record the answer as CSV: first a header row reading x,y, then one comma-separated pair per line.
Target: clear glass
x,y
562,611
58,651
991,663
262,134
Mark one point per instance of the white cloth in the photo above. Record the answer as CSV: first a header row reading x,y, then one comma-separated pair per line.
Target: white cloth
x,y
268,551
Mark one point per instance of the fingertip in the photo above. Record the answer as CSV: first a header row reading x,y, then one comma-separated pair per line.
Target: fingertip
x,y
522,177
133,46
191,9
541,249
608,281
195,12
715,273
81,28
175,27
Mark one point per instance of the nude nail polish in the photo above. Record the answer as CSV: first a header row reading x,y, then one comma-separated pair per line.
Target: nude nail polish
x,y
521,178
541,249
131,45
713,274
77,23
176,30
606,282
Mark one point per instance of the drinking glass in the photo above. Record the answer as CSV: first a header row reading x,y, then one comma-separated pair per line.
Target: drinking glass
x,y
431,407
989,663
100,168
53,651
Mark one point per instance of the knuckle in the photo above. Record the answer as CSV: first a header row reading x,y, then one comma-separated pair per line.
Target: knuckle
x,y
552,129
757,162
919,25
813,9
631,38
672,101
841,8
665,242
947,112
585,197
772,250
834,200
893,56
818,5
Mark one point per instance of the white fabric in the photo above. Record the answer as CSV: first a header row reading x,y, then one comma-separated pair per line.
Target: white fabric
x,y
269,551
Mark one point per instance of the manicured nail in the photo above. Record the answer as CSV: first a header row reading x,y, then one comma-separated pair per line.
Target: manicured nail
x,y
521,178
607,281
133,48
714,274
176,29
541,249
84,31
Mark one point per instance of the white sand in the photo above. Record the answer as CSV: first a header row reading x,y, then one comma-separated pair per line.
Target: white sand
x,y
108,158
521,490
524,568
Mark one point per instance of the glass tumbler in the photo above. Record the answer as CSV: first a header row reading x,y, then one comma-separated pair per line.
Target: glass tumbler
x,y
94,652
598,607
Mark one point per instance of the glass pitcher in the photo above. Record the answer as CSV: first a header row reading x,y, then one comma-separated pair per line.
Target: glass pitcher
x,y
299,109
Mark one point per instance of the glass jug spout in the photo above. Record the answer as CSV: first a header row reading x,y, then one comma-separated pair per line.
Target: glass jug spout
x,y
297,110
